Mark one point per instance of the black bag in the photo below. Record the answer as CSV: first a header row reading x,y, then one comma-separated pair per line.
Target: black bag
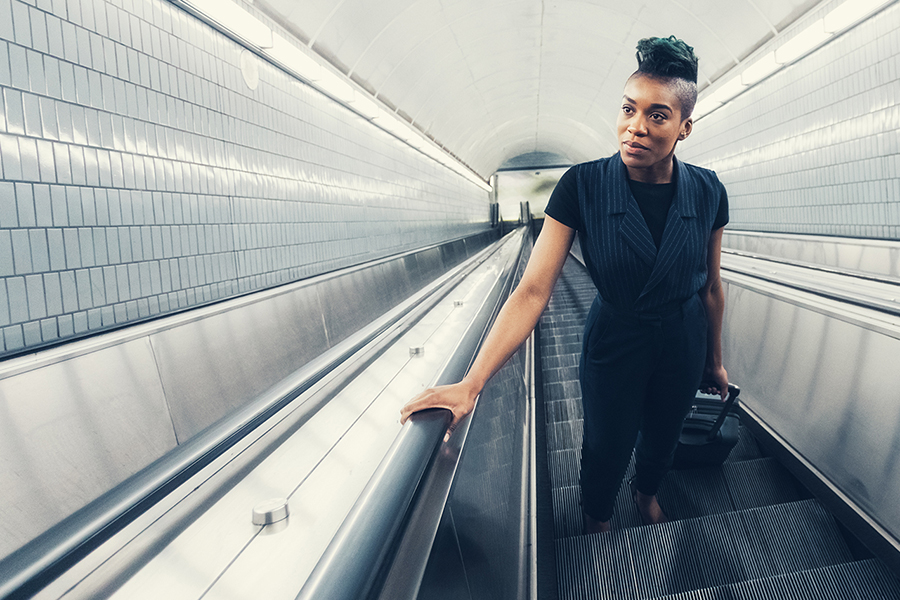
x,y
710,431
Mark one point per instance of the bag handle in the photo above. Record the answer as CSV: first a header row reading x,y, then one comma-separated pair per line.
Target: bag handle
x,y
733,392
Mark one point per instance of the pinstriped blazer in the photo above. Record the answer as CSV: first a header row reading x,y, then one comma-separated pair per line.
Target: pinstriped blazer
x,y
623,261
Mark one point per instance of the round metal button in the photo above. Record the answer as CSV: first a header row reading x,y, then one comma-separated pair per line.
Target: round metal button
x,y
270,511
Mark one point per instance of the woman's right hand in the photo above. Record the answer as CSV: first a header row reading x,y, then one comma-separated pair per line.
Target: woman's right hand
x,y
458,398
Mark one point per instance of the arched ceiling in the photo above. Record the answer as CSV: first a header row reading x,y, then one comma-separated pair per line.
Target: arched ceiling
x,y
494,79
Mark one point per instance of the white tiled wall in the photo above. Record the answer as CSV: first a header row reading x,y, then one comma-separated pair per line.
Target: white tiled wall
x,y
139,174
816,147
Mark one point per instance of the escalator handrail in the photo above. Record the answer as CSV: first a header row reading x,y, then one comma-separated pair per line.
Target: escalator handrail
x,y
360,554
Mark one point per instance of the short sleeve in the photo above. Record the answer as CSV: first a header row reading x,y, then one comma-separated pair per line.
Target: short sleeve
x,y
722,214
563,204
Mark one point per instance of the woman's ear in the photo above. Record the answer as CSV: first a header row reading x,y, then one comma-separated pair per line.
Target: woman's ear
x,y
686,128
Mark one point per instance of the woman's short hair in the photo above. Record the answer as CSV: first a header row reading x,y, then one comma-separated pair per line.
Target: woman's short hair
x,y
672,59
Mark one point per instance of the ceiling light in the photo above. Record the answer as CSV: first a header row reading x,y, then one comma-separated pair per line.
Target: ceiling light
x,y
294,59
802,43
849,13
705,106
335,86
760,69
728,90
236,20
365,104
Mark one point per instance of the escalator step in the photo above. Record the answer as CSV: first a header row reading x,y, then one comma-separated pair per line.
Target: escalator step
x,y
694,493
861,580
686,555
760,482
799,535
595,567
560,390
746,448
566,409
710,551
565,435
567,509
565,466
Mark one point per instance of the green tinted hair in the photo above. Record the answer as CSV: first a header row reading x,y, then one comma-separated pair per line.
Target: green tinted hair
x,y
671,59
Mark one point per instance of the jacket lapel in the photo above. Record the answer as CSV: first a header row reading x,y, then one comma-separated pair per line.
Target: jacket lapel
x,y
676,232
633,227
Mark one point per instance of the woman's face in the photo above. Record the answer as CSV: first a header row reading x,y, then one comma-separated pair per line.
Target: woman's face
x,y
648,127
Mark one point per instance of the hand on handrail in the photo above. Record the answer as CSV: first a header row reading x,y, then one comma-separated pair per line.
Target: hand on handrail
x,y
458,398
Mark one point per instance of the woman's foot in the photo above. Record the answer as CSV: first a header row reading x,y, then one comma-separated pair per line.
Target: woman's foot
x,y
650,510
590,525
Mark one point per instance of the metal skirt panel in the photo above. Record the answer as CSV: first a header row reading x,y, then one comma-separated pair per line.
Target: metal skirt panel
x,y
827,385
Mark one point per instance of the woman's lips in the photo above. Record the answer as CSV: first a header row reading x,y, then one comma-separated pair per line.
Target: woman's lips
x,y
634,147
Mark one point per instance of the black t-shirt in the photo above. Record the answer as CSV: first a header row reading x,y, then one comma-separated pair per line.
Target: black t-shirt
x,y
654,200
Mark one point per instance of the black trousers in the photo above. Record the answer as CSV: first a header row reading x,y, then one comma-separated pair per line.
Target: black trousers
x,y
639,376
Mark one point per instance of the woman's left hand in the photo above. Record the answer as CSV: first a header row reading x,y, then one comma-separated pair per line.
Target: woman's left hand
x,y
715,381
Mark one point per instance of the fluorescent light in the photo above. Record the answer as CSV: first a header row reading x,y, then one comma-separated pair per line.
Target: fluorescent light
x,y
365,104
236,20
728,90
849,13
336,86
761,69
802,43
705,106
291,57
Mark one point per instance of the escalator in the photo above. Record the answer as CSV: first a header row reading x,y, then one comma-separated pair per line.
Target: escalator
x,y
390,512
746,530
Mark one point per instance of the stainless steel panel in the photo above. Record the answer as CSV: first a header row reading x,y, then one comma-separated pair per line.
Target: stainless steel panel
x,y
212,360
882,293
827,385
349,302
74,429
215,365
321,469
428,261
872,256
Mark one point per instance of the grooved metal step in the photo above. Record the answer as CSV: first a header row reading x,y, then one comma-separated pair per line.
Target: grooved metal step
x,y
691,554
760,482
566,409
683,494
565,435
860,580
746,448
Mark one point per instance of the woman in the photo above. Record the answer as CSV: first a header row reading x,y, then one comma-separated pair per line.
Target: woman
x,y
651,233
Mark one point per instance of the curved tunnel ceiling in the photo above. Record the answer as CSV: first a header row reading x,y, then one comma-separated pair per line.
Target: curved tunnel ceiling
x,y
494,79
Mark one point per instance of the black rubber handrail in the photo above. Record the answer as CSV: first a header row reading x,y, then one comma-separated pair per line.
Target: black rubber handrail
x,y
39,562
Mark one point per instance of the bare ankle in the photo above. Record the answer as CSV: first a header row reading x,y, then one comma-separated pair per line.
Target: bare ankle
x,y
591,525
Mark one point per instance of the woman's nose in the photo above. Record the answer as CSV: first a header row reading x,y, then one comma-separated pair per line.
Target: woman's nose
x,y
637,127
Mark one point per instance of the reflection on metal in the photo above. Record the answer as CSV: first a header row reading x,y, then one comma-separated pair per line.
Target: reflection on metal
x,y
270,511
879,257
349,567
370,527
417,351
822,374
504,392
491,500
879,293
115,403
458,303
202,543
